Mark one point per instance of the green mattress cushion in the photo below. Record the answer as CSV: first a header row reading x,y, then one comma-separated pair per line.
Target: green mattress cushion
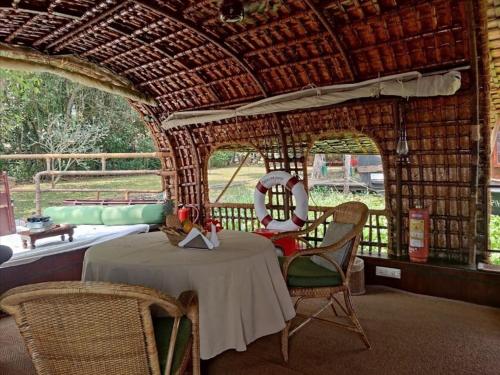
x,y
76,215
304,273
133,214
163,331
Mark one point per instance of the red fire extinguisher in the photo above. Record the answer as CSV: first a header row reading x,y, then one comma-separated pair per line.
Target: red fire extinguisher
x,y
418,246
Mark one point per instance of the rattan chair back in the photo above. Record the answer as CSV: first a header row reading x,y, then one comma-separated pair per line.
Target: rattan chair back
x,y
355,213
90,328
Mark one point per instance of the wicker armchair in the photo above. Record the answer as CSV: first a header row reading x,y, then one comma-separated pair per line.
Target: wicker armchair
x,y
87,328
307,279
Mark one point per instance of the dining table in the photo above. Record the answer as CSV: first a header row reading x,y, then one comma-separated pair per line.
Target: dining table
x,y
241,291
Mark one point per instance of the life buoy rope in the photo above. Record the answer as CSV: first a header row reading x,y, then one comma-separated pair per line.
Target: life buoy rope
x,y
291,183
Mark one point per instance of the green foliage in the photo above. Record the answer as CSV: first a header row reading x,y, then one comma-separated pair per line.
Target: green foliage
x,y
30,103
495,238
221,159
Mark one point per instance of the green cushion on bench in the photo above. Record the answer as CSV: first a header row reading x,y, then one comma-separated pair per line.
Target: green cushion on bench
x,y
133,214
163,331
304,273
76,215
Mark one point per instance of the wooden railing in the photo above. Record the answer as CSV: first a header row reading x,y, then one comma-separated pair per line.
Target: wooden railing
x,y
242,217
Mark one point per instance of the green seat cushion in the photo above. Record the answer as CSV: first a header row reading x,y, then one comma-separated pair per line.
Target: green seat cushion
x,y
163,331
76,215
303,273
133,214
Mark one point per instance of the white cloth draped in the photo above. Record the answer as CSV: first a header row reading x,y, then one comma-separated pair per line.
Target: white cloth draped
x,y
84,236
241,291
405,85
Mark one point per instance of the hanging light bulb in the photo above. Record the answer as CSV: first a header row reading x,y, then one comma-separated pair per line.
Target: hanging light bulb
x,y
232,11
402,148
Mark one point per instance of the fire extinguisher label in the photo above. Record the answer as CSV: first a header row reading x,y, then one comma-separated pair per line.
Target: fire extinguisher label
x,y
417,228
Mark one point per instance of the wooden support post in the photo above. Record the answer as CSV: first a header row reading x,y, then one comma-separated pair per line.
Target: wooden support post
x,y
475,137
347,172
103,164
399,199
399,209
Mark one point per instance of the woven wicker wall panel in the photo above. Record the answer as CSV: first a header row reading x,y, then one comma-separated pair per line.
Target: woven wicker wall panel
x,y
437,174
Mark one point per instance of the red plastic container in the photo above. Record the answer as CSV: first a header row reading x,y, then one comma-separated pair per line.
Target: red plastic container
x,y
288,245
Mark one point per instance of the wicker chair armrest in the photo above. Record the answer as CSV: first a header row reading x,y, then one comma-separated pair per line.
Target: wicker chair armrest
x,y
293,234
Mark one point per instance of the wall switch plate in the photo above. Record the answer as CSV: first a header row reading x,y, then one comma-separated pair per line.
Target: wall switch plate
x,y
395,273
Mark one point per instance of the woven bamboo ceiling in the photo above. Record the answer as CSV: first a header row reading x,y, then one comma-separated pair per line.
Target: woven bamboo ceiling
x,y
180,53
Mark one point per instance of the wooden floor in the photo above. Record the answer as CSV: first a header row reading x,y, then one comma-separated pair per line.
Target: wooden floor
x,y
410,334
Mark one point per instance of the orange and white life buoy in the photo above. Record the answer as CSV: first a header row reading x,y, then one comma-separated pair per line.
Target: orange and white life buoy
x,y
292,184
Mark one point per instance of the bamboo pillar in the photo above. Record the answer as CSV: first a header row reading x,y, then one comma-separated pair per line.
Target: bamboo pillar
x,y
475,138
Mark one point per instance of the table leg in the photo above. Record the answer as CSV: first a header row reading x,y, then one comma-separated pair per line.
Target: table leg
x,y
32,243
70,237
62,237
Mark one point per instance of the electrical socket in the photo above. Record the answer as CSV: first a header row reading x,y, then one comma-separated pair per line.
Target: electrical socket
x,y
394,273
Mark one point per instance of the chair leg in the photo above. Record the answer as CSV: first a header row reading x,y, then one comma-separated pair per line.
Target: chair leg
x,y
353,317
333,307
284,340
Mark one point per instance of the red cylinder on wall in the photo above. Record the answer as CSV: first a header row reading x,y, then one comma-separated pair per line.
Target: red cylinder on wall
x,y
418,245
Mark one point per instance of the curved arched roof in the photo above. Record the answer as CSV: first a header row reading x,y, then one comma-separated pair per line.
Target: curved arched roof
x,y
180,52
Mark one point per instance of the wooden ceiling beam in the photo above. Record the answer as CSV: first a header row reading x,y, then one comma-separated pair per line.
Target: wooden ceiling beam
x,y
265,27
292,43
183,72
20,29
201,86
167,55
36,15
7,6
87,15
179,19
349,65
134,35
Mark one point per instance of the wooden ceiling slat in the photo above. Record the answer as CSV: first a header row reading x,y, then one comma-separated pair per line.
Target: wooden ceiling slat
x,y
76,21
351,68
181,47
70,37
220,44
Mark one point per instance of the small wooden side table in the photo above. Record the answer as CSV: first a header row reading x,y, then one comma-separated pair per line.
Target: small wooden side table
x,y
58,230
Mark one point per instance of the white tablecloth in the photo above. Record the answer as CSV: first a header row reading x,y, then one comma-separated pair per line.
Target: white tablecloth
x,y
241,291
84,236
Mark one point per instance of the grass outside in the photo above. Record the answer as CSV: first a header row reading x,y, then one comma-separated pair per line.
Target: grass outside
x,y
243,186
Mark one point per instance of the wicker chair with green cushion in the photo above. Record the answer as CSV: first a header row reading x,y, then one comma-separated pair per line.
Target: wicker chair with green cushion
x,y
324,271
90,328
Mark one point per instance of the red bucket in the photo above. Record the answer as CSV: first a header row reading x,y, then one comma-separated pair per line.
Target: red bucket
x,y
288,245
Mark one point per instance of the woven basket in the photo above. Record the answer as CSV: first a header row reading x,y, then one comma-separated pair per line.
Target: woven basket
x,y
173,235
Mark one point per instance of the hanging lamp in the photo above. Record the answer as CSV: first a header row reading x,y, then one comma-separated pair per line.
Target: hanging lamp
x,y
232,11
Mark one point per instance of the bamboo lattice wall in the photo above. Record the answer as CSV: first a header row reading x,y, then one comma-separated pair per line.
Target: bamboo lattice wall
x,y
181,55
